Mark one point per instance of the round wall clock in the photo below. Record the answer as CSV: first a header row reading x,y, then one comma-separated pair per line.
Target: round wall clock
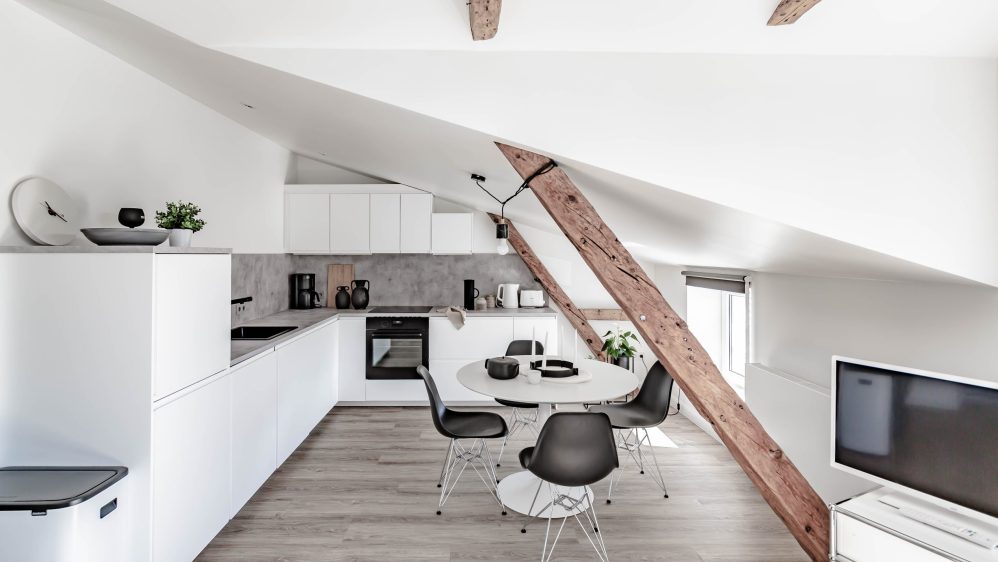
x,y
45,212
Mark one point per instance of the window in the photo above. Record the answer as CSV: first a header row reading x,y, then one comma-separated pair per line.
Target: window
x,y
718,319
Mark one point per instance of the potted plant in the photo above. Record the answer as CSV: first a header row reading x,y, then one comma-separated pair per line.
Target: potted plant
x,y
181,220
619,346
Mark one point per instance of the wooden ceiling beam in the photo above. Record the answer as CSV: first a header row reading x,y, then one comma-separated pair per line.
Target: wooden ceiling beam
x,y
605,314
789,11
484,16
668,336
553,289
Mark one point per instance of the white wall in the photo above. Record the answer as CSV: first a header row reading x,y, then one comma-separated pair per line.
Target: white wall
x,y
882,145
305,170
800,322
114,137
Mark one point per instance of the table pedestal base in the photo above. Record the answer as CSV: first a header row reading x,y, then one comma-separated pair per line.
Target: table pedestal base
x,y
517,492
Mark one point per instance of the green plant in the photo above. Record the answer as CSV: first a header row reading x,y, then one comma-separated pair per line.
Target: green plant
x,y
617,343
180,215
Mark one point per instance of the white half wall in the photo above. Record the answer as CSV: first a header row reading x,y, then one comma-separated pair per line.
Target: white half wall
x,y
112,136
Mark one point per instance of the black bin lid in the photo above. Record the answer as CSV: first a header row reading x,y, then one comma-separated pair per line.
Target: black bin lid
x,y
39,488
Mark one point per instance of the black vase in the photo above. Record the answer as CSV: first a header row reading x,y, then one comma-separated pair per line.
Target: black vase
x,y
342,297
361,293
622,362
131,217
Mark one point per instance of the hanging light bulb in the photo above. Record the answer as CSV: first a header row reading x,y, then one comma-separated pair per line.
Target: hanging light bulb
x,y
502,236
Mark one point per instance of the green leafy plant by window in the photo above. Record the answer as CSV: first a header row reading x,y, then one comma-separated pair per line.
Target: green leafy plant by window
x,y
180,215
619,343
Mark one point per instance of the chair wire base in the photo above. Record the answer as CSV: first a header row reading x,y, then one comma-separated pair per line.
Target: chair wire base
x,y
518,420
458,458
636,442
562,497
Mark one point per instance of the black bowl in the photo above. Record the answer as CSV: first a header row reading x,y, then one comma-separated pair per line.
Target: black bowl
x,y
556,368
131,217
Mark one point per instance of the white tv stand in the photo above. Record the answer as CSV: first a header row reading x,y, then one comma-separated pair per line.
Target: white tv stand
x,y
865,529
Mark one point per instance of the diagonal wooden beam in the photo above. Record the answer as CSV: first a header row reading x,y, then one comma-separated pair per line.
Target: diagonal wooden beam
x,y
789,11
668,336
553,289
484,16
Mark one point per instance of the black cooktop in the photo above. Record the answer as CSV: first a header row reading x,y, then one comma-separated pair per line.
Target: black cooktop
x,y
401,309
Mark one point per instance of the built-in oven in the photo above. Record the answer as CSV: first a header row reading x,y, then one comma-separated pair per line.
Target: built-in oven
x,y
396,346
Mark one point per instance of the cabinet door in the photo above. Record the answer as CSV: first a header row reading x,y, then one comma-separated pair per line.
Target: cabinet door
x,y
254,427
451,233
416,218
191,471
352,359
192,320
306,375
306,223
385,223
444,373
479,338
543,327
349,223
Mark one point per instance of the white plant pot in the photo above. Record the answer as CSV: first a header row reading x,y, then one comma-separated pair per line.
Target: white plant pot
x,y
180,237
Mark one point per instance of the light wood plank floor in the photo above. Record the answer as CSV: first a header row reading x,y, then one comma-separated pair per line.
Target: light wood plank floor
x,y
363,487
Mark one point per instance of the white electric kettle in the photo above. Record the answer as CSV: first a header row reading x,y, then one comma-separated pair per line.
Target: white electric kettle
x,y
507,295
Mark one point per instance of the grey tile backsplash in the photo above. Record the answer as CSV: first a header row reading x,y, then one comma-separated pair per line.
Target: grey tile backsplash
x,y
396,279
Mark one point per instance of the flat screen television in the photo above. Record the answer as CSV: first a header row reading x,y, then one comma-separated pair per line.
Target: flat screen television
x,y
934,436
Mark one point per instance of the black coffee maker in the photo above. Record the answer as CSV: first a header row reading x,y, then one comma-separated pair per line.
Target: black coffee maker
x,y
303,293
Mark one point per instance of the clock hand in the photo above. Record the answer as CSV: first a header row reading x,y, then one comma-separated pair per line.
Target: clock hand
x,y
53,212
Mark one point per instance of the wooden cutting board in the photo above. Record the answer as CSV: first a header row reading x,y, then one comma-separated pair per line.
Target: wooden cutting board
x,y
338,274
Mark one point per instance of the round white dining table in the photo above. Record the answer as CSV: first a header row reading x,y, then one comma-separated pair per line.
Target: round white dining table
x,y
602,381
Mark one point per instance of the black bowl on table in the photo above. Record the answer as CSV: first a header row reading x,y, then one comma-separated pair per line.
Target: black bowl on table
x,y
131,217
555,368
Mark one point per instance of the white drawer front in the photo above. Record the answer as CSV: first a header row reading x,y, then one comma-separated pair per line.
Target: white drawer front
x,y
444,373
864,543
478,339
396,391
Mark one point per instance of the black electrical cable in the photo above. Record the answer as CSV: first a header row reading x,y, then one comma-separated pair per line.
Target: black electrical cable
x,y
525,185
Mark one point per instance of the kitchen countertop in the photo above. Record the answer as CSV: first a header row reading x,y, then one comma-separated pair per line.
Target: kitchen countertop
x,y
241,350
110,250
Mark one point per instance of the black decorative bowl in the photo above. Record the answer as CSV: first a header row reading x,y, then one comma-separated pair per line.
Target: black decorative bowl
x,y
556,368
502,368
131,217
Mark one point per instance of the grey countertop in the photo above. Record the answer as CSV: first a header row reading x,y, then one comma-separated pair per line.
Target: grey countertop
x,y
241,350
110,250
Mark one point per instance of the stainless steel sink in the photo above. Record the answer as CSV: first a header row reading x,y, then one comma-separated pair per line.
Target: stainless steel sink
x,y
260,332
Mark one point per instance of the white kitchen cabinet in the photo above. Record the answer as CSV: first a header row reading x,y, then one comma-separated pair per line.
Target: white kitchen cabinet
x,y
386,216
306,223
306,382
192,319
416,218
480,337
254,426
525,326
451,233
396,391
191,471
349,223
352,359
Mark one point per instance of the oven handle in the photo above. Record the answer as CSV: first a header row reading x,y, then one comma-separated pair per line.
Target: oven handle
x,y
399,333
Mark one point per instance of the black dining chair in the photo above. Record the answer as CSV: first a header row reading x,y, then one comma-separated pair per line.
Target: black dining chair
x,y
573,451
524,414
460,427
633,419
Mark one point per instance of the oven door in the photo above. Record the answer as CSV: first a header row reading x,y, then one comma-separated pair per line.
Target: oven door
x,y
395,352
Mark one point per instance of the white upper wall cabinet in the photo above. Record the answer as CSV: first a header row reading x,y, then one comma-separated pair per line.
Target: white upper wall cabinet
x,y
386,223
349,223
451,233
483,235
306,223
416,217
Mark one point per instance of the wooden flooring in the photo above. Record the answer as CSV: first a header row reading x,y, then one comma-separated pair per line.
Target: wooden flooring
x,y
363,487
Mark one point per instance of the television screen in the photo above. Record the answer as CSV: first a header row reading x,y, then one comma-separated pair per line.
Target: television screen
x,y
936,436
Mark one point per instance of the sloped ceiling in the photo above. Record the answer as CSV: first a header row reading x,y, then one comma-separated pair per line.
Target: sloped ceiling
x,y
385,140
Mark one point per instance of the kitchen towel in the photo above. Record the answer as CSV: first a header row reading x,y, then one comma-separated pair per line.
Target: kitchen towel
x,y
456,316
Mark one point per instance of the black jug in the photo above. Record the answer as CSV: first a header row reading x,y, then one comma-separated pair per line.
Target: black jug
x,y
361,293
342,297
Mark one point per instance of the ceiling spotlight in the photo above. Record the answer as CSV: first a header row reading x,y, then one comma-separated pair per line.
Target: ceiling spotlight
x,y
247,106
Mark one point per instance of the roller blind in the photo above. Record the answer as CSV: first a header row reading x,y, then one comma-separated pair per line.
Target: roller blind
x,y
716,281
